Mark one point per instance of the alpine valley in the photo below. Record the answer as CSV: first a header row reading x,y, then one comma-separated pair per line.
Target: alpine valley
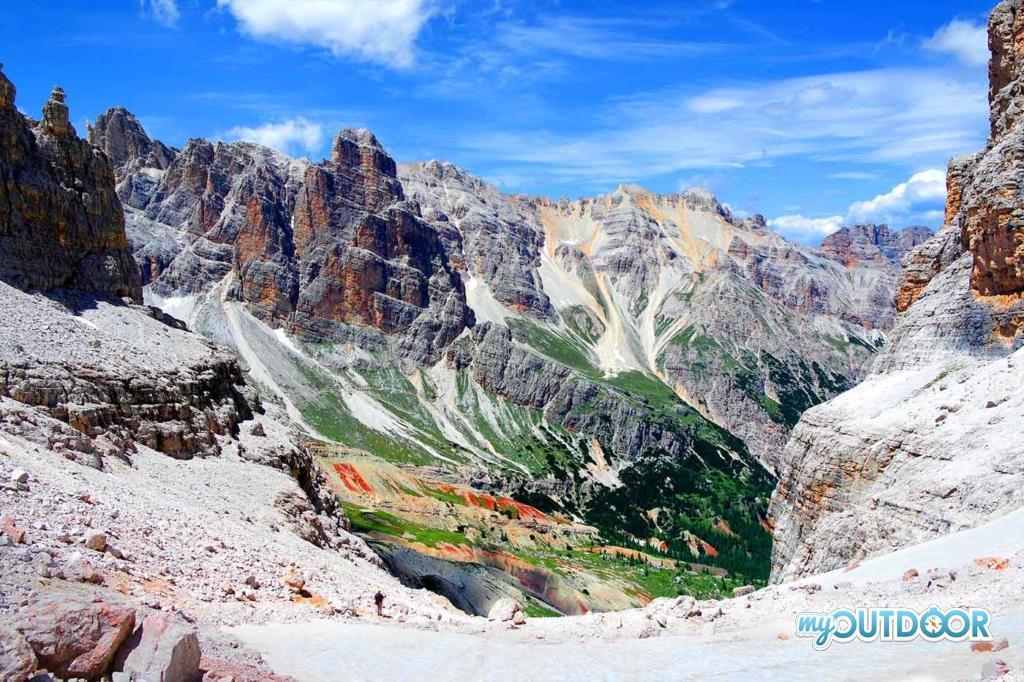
x,y
497,386
239,388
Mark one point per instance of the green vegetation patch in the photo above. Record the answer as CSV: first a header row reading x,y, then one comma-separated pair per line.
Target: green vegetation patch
x,y
379,521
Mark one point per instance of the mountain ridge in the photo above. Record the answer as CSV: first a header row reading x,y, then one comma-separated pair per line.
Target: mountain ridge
x,y
572,354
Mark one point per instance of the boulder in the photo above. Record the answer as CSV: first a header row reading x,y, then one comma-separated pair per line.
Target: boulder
x,y
163,648
17,660
293,580
96,541
505,609
73,637
10,529
743,591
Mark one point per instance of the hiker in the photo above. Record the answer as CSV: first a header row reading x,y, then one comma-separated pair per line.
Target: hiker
x,y
378,600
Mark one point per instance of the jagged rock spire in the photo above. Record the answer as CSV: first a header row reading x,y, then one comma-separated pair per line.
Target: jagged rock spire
x,y
55,114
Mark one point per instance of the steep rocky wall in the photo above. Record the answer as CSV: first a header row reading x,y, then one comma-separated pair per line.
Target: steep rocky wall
x,y
61,224
930,443
859,245
990,215
332,251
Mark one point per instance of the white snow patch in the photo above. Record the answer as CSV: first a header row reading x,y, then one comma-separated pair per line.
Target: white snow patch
x,y
482,301
287,341
86,322
178,307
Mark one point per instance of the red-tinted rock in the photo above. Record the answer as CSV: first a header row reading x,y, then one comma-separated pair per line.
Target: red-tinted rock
x,y
73,637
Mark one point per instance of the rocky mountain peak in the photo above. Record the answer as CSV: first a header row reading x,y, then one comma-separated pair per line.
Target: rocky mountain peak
x,y
359,147
118,133
360,159
702,199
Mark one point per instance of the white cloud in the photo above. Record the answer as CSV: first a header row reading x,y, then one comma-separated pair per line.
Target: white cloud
x,y
804,229
613,39
965,40
923,194
895,117
293,136
713,103
382,31
164,11
921,199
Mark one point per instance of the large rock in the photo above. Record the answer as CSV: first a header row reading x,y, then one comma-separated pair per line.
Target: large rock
x,y
73,637
505,609
61,224
17,660
162,649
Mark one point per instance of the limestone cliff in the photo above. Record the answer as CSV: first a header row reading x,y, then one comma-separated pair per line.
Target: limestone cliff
x,y
61,223
330,251
872,244
931,442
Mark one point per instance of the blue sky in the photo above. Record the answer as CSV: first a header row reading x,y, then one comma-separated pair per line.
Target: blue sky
x,y
811,112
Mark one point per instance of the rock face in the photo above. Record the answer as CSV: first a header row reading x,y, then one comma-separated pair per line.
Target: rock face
x,y
330,251
637,282
876,245
62,225
162,648
930,442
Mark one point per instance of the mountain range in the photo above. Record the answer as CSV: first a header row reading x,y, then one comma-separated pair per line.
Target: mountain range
x,y
631,361
247,386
